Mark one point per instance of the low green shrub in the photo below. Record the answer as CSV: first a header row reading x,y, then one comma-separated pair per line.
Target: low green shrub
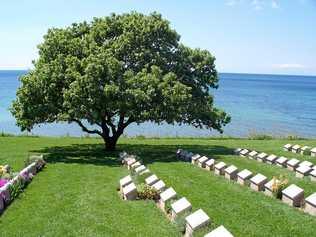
x,y
145,192
15,189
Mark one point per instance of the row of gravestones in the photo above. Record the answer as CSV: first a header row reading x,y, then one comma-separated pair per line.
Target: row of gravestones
x,y
302,169
292,195
304,150
193,221
25,176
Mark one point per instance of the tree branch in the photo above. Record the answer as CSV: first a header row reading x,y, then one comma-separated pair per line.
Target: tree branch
x,y
85,129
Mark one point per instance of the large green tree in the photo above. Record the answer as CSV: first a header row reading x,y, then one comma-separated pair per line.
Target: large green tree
x,y
118,70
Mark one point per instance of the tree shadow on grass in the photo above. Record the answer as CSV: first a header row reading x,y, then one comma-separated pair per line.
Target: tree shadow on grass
x,y
96,155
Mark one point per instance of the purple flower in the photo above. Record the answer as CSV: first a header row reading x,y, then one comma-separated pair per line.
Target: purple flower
x,y
3,182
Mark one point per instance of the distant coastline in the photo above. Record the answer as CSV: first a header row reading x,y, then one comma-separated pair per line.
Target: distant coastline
x,y
271,104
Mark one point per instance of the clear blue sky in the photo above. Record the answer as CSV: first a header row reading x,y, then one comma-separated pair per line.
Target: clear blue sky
x,y
245,35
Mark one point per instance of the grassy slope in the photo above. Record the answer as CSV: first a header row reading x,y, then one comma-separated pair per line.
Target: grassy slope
x,y
75,195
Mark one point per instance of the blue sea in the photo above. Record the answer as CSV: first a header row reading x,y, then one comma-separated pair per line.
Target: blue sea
x,y
276,105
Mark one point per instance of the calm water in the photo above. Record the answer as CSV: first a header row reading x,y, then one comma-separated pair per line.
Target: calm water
x,y
271,104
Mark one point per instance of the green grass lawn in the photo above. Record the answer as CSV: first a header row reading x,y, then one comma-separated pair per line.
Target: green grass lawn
x,y
75,195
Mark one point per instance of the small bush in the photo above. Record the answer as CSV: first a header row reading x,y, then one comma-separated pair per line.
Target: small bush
x,y
278,186
15,189
145,192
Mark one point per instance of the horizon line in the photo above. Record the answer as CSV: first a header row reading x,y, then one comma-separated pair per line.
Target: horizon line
x,y
220,72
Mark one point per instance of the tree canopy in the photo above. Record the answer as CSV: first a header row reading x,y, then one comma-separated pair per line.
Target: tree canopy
x,y
115,71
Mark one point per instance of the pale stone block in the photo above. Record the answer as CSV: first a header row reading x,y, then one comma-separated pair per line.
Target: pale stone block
x,y
219,168
243,176
292,164
195,221
313,175
268,187
231,172
125,181
130,162
179,207
166,196
271,159
201,161
151,180
140,169
219,232
237,151
159,186
244,152
293,195
144,172
306,163
252,154
194,158
296,148
262,157
306,150
179,153
209,165
25,175
313,152
302,171
129,192
287,147
135,165
5,192
257,182
310,204
281,161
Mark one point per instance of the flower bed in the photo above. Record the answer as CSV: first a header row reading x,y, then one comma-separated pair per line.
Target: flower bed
x,y
13,183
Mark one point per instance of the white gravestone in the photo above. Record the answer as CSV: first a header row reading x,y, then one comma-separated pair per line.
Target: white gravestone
x,y
179,207
219,168
166,196
252,154
293,195
262,157
287,147
313,175
271,159
244,152
135,165
151,180
219,232
195,221
209,165
130,192
268,189
144,172
195,158
306,163
243,176
201,161
306,150
231,172
125,181
296,148
310,204
292,164
281,161
130,162
159,186
237,151
140,169
302,171
313,152
257,182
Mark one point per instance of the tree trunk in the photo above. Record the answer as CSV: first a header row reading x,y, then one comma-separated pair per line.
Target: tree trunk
x,y
110,143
